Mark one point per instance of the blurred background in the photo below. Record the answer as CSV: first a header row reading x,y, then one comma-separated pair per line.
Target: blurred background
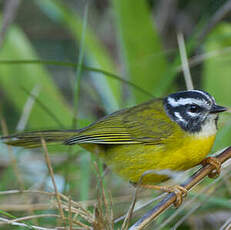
x,y
65,64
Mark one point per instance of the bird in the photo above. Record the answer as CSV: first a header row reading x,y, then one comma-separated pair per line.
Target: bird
x,y
143,142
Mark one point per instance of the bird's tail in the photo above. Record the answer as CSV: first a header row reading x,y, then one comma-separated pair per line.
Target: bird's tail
x,y
33,139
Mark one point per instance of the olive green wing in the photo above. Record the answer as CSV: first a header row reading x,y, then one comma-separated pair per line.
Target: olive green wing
x,y
144,123
149,123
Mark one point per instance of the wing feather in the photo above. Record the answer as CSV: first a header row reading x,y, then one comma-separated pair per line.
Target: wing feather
x,y
144,123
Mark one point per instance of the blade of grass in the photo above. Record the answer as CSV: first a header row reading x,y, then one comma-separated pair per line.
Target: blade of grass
x,y
184,61
79,67
13,77
14,217
48,162
87,68
172,70
85,177
142,50
96,53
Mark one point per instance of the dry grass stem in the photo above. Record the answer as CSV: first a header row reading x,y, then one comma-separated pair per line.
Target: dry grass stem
x,y
25,225
139,208
26,207
26,191
77,208
103,210
52,177
184,61
226,225
130,210
78,212
198,59
170,198
206,190
69,213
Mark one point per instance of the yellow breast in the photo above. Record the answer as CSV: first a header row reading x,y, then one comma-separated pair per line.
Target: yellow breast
x,y
131,161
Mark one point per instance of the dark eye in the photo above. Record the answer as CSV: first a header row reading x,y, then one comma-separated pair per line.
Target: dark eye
x,y
194,108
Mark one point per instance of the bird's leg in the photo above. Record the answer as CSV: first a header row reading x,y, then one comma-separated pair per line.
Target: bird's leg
x,y
177,189
215,163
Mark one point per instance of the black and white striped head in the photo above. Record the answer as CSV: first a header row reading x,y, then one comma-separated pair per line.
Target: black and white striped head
x,y
193,110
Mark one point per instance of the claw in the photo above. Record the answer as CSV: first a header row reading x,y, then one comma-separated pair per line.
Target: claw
x,y
180,192
215,163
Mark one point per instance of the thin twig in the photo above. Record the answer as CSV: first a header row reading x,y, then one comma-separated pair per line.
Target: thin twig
x,y
226,225
207,191
184,61
140,207
26,191
171,198
130,210
69,213
103,209
188,204
198,59
77,205
52,177
27,207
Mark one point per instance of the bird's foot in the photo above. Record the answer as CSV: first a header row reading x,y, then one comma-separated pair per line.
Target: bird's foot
x,y
179,191
215,163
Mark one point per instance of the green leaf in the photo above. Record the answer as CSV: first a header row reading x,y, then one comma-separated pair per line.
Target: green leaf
x,y
96,53
145,62
13,78
217,76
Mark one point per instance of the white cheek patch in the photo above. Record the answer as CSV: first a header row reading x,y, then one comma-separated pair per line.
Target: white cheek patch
x,y
179,117
186,101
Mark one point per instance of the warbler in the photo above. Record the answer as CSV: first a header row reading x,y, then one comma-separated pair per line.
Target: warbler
x,y
174,133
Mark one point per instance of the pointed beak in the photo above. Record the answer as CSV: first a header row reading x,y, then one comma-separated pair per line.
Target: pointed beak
x,y
217,109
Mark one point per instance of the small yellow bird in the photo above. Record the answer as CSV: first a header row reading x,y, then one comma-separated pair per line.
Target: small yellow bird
x,y
170,134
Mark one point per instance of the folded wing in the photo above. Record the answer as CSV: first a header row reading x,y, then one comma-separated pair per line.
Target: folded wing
x,y
145,123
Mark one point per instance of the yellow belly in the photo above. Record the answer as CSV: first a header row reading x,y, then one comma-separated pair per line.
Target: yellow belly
x,y
131,161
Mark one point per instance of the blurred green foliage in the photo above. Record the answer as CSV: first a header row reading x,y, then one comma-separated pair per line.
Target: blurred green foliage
x,y
144,59
216,75
143,55
15,78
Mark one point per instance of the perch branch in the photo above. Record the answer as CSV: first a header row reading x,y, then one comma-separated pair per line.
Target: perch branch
x,y
171,197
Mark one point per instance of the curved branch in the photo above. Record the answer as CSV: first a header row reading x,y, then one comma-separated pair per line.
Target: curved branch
x,y
171,197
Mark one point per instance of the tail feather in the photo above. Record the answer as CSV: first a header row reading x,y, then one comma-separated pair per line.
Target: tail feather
x,y
33,139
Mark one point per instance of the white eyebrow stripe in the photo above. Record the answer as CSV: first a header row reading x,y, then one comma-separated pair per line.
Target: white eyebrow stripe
x,y
203,93
186,101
